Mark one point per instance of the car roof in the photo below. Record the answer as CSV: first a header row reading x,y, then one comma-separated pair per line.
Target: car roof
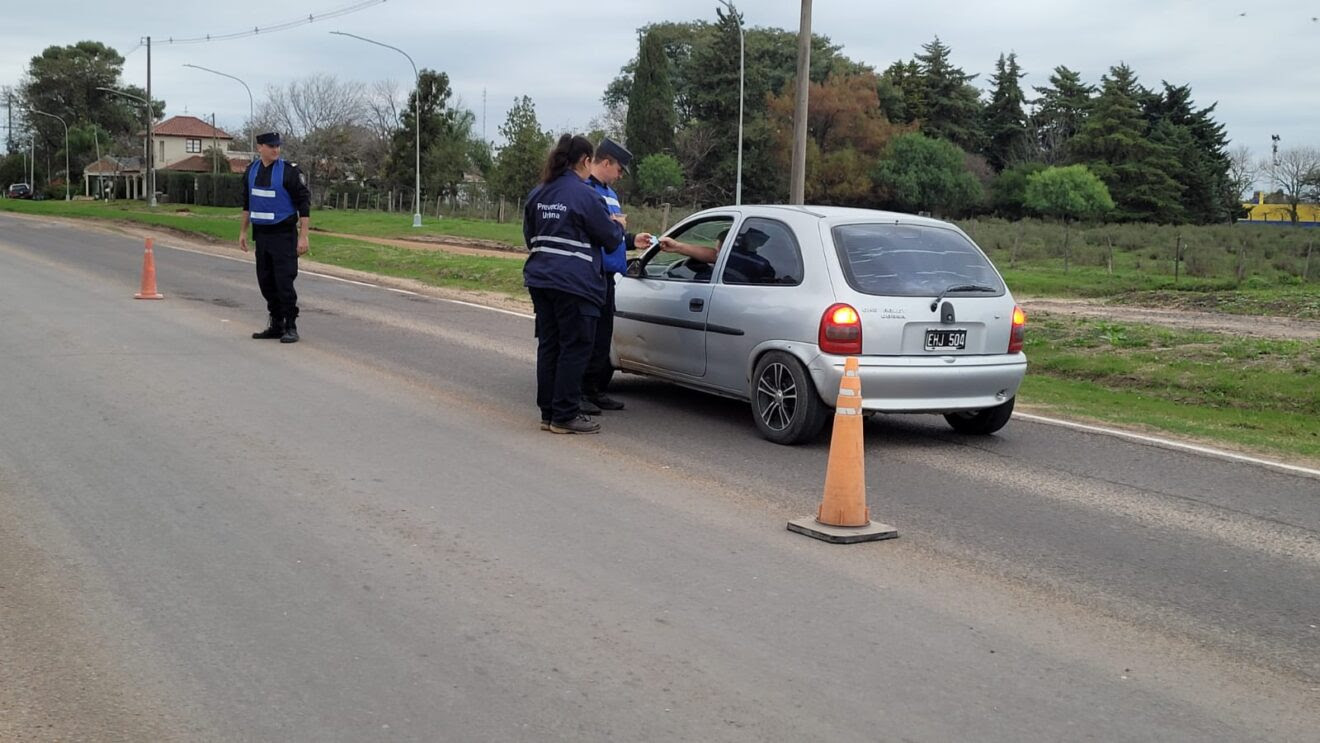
x,y
835,214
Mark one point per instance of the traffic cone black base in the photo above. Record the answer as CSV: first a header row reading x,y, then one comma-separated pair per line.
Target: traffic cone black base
x,y
872,532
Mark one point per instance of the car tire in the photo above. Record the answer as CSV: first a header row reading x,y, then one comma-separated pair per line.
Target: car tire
x,y
982,422
785,405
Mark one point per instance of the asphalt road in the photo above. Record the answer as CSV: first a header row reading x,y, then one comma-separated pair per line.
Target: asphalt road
x,y
366,536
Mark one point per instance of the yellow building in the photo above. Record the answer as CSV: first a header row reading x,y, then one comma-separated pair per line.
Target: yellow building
x,y
1259,211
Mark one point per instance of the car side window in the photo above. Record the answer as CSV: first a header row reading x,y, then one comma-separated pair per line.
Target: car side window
x,y
659,264
765,252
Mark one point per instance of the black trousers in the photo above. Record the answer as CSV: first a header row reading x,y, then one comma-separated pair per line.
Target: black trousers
x,y
565,335
277,267
599,370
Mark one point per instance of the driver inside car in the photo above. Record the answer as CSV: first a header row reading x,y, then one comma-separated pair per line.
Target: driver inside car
x,y
745,266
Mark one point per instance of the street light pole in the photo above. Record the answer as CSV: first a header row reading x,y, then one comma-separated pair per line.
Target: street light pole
x,y
252,142
742,76
151,177
67,173
417,122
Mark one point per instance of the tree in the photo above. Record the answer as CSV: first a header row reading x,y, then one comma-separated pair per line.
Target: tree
x,y
1242,172
323,122
703,66
651,118
445,134
1296,172
216,159
952,105
1200,147
1061,110
64,81
1068,194
518,166
659,175
1005,121
1008,191
847,131
1115,144
903,94
924,174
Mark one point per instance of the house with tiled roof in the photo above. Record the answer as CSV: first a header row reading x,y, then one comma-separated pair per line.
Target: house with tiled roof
x,y
181,137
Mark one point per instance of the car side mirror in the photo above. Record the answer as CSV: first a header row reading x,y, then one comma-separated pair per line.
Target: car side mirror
x,y
634,268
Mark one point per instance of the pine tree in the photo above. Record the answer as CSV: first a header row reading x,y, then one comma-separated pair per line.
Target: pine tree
x,y
903,97
1115,144
1005,121
1200,146
952,104
651,118
518,167
1060,112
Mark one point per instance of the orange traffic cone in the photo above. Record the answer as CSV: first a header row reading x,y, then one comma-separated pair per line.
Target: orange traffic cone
x,y
843,517
149,276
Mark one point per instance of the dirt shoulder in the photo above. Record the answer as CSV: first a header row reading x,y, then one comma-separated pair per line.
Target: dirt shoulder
x,y
488,248
1282,328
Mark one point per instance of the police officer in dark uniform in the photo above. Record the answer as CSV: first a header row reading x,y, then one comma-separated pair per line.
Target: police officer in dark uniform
x,y
277,204
568,230
609,164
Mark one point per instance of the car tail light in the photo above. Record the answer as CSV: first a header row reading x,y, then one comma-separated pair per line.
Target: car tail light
x,y
841,331
1019,332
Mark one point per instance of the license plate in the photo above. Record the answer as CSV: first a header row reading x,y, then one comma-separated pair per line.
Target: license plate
x,y
946,340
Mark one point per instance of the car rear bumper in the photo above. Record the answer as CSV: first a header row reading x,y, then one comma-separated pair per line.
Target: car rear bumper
x,y
942,384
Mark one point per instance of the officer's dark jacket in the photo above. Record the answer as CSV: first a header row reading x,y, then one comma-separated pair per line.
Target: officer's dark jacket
x,y
568,229
293,183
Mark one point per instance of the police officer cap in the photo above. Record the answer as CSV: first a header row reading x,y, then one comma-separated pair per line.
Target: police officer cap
x,y
271,139
609,148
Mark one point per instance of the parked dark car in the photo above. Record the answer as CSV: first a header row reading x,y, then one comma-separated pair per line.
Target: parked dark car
x,y
19,191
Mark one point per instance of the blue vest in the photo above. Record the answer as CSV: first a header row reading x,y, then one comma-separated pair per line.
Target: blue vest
x,y
616,260
269,205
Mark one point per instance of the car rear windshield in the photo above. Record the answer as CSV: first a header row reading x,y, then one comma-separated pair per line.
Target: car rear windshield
x,y
911,260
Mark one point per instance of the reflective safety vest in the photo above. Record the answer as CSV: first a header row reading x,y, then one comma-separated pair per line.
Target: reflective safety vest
x,y
616,258
269,205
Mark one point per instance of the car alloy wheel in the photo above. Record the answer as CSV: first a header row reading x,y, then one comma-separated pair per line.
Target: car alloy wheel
x,y
776,397
785,404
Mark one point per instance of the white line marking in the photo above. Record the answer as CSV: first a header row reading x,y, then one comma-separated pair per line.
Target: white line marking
x,y
362,283
1208,451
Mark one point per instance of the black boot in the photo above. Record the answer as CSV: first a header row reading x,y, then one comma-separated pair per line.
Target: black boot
x,y
290,331
274,329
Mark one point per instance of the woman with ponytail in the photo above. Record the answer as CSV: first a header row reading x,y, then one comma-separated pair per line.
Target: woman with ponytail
x,y
568,229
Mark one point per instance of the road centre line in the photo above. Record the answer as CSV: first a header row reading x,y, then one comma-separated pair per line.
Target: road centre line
x,y
1139,438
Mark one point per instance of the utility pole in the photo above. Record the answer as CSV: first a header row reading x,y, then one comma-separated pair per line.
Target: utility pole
x,y
798,177
151,142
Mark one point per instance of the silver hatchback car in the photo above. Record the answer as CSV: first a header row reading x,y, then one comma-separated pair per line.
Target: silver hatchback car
x,y
794,291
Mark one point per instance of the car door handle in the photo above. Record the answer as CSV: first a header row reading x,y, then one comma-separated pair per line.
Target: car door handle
x,y
697,305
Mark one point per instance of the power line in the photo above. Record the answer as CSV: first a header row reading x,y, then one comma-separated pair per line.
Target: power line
x,y
258,30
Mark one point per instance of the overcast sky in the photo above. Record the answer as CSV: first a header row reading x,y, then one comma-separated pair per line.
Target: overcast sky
x,y
1263,68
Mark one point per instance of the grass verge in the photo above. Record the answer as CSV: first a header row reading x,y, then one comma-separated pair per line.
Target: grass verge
x,y
1252,393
